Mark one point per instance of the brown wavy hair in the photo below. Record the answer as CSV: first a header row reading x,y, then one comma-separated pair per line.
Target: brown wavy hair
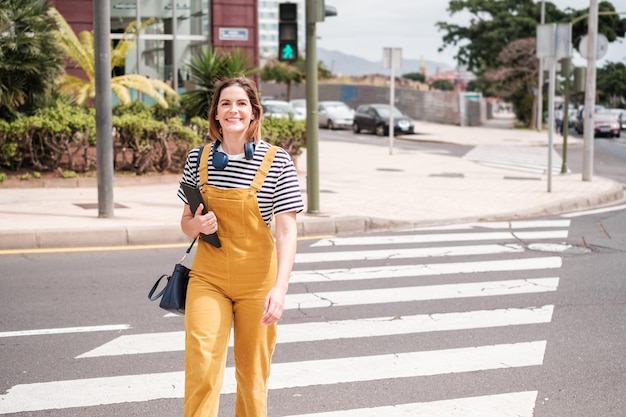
x,y
249,86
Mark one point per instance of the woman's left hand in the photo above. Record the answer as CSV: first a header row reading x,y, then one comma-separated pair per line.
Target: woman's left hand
x,y
274,306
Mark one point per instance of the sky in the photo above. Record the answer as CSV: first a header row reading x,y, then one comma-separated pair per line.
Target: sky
x,y
364,27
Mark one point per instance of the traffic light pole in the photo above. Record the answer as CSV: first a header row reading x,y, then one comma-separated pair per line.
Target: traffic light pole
x,y
312,148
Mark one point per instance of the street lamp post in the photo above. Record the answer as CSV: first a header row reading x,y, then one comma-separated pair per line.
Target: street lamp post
x,y
104,124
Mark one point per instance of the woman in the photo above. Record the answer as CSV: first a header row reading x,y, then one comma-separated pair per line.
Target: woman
x,y
243,283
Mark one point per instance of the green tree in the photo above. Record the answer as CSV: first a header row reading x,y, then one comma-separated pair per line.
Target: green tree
x,y
80,50
515,78
282,73
611,83
415,76
205,69
291,73
442,85
30,58
494,24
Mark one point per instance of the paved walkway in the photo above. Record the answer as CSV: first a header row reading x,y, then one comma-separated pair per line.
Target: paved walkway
x,y
362,188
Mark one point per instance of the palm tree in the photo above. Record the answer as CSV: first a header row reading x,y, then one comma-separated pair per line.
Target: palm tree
x,y
205,69
81,51
30,58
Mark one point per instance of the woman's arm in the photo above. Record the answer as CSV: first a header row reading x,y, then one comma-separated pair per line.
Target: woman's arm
x,y
286,243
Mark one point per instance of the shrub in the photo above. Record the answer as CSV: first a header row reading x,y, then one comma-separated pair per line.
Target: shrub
x,y
289,134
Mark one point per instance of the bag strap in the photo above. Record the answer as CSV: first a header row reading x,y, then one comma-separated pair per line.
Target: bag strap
x,y
196,238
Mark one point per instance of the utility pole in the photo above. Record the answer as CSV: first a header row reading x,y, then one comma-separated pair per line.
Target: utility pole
x,y
316,11
104,124
590,91
540,82
312,148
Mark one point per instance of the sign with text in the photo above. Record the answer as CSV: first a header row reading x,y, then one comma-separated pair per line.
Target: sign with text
x,y
233,34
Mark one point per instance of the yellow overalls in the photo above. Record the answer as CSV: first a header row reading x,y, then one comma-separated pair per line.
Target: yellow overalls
x,y
228,285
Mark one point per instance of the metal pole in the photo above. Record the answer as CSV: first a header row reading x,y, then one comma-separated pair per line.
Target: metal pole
x,y
174,60
552,69
104,125
590,91
312,151
392,99
540,82
565,125
138,41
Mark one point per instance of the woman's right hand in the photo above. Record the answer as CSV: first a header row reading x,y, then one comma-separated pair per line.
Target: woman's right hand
x,y
207,223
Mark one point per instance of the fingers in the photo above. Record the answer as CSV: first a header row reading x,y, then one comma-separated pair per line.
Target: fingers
x,y
208,222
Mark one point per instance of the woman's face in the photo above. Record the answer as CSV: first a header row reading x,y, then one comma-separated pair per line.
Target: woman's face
x,y
234,111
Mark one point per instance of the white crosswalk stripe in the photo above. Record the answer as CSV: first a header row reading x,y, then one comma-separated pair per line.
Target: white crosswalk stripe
x,y
515,271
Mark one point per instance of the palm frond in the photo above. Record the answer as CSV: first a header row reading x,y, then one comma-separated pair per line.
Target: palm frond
x,y
72,46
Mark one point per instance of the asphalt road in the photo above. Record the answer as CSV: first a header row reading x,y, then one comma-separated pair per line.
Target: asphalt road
x,y
524,317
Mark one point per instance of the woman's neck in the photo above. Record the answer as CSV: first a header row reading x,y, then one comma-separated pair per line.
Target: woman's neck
x,y
233,145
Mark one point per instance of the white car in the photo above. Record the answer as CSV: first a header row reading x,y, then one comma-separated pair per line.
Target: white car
x,y
335,115
279,109
300,105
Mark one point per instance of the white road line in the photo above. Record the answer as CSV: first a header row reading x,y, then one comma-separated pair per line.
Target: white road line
x,y
342,329
440,237
133,388
84,329
596,211
420,270
433,292
514,404
390,254
513,224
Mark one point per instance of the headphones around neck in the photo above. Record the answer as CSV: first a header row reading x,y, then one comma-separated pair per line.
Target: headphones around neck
x,y
220,159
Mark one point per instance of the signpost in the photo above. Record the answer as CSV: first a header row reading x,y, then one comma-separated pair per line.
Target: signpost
x,y
553,43
392,59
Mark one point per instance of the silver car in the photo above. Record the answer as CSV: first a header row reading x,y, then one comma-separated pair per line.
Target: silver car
x,y
335,115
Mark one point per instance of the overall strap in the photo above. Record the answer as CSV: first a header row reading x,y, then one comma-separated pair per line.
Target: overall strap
x,y
264,169
203,165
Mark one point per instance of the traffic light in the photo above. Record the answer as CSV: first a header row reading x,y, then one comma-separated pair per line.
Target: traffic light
x,y
287,32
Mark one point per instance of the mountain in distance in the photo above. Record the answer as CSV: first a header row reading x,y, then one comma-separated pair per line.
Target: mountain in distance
x,y
343,64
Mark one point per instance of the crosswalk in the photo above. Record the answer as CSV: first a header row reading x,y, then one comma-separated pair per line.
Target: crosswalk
x,y
533,159
458,266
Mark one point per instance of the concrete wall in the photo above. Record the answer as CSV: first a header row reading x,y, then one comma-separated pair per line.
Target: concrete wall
x,y
431,106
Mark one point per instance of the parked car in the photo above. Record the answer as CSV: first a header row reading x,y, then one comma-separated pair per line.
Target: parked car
x,y
621,115
606,124
334,115
299,105
375,118
279,109
580,119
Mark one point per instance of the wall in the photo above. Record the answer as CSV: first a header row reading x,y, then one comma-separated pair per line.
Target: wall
x,y
236,14
431,106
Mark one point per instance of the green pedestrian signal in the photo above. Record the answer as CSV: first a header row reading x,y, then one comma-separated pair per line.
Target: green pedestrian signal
x,y
286,52
287,32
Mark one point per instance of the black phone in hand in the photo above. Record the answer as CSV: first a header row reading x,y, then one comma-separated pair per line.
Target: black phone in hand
x,y
194,198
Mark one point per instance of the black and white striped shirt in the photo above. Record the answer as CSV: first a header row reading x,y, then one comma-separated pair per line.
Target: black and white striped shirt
x,y
280,192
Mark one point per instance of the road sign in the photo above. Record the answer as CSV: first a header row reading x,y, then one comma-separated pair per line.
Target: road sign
x,y
602,46
233,34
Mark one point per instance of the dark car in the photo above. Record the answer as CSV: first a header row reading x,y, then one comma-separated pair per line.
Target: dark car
x,y
375,118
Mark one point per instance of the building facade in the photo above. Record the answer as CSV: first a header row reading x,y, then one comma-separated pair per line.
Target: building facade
x,y
179,29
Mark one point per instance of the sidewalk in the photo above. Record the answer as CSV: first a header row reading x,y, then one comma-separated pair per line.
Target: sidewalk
x,y
362,188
